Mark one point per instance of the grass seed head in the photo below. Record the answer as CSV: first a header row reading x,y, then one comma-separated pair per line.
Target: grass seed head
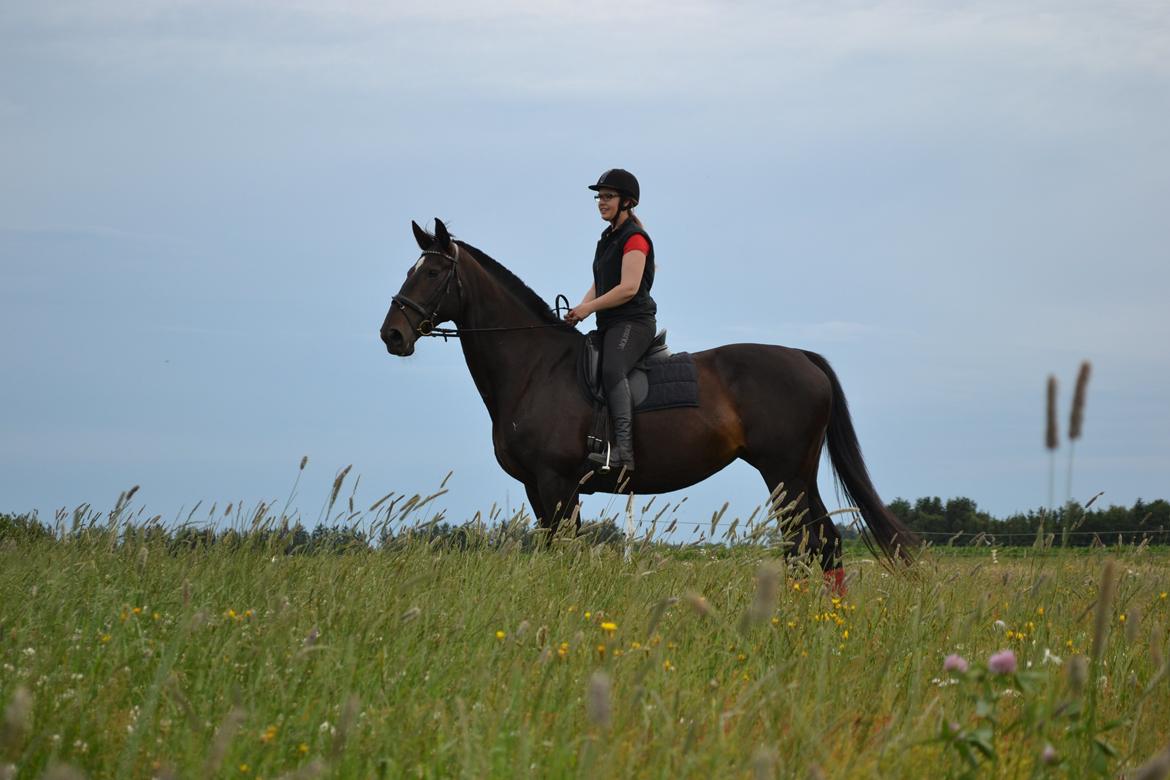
x,y
598,703
1051,438
1105,598
1077,417
17,721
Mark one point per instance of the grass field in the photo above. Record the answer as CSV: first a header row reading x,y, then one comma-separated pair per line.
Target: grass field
x,y
132,660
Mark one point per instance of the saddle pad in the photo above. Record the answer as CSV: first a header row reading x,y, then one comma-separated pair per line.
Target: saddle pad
x,y
674,382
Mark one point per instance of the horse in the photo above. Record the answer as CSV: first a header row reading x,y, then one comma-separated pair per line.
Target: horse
x,y
771,406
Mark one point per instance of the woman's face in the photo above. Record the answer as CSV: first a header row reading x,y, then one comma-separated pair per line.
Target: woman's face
x,y
608,202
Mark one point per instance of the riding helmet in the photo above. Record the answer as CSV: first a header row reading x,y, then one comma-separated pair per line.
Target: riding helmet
x,y
621,180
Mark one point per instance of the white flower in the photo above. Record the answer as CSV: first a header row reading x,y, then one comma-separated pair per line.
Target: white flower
x,y
1049,658
1002,626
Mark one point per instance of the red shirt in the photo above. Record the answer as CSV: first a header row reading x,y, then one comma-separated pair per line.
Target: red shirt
x,y
637,243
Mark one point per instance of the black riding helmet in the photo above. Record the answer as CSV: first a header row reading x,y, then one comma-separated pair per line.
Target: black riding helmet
x,y
621,180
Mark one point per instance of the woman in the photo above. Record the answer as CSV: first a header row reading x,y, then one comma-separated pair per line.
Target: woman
x,y
623,273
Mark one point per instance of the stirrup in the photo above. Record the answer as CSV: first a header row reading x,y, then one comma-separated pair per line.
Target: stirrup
x,y
602,458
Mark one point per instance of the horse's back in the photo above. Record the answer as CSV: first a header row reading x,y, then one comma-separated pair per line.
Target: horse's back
x,y
768,368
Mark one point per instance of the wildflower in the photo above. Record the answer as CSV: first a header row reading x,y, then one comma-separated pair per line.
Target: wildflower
x,y
1002,626
1162,595
609,627
775,620
1048,756
154,615
137,610
302,748
601,652
955,663
1003,662
245,769
105,638
500,635
791,624
667,666
796,587
588,615
1049,658
563,651
248,613
1121,618
268,734
635,645
1040,611
845,634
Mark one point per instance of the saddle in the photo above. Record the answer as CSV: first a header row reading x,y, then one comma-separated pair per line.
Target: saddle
x,y
661,379
639,384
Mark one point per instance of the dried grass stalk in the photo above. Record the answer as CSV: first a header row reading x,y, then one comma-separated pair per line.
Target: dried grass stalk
x,y
1077,417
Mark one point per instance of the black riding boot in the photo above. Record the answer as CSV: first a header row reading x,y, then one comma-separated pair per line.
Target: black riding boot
x,y
622,412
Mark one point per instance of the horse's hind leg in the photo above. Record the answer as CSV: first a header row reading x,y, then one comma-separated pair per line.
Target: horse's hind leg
x,y
814,536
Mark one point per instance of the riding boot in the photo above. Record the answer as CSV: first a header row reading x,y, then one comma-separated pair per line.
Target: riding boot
x,y
622,412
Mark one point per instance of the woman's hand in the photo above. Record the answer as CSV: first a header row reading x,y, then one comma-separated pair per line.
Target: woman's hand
x,y
577,313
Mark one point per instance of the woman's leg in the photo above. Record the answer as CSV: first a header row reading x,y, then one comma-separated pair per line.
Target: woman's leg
x,y
623,344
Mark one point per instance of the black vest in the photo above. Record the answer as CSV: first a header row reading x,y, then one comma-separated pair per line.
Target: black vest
x,y
607,274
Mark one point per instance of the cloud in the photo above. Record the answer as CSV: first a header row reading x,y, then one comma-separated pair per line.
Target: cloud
x,y
563,48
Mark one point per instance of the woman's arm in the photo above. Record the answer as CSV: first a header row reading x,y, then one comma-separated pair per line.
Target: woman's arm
x,y
633,264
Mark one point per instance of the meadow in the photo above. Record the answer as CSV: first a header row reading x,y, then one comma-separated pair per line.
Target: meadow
x,y
124,656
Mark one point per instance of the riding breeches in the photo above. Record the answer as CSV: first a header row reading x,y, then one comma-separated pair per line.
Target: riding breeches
x,y
623,344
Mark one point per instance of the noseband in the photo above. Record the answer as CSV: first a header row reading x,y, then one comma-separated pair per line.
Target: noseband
x,y
430,311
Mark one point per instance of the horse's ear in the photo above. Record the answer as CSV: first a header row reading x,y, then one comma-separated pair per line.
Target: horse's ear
x,y
441,235
423,238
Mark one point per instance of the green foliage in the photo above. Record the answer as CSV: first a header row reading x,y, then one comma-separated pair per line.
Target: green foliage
x,y
130,652
960,520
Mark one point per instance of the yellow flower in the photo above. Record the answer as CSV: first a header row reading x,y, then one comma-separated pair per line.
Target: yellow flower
x,y
105,638
563,650
245,768
667,666
588,615
572,608
796,587
609,627
791,624
775,620
742,658
155,615
845,634
137,610
268,734
302,748
601,652
1121,618
500,635
617,652
1040,611
635,645
247,613
1162,595
231,613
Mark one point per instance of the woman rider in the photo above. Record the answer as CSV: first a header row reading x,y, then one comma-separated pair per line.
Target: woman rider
x,y
623,272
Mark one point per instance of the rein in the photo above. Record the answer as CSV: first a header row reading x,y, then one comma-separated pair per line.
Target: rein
x,y
426,326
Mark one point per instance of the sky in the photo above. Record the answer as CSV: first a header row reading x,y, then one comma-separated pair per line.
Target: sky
x,y
205,209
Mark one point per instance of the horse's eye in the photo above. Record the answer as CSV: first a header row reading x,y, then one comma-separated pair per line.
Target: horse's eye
x,y
431,274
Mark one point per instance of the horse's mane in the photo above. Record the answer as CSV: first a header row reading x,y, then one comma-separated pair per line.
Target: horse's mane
x,y
513,284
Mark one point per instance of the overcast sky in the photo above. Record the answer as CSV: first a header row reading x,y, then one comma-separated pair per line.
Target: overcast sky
x,y
205,208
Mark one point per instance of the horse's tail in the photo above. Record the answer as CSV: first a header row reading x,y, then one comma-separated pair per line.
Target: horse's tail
x,y
894,539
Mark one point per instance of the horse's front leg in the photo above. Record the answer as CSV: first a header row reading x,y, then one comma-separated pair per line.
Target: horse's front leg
x,y
560,501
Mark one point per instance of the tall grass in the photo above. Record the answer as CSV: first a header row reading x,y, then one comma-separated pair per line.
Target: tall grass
x,y
121,655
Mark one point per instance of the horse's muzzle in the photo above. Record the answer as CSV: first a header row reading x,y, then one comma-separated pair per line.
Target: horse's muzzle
x,y
396,343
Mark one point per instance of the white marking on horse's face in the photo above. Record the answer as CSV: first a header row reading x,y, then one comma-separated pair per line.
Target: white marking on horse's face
x,y
421,260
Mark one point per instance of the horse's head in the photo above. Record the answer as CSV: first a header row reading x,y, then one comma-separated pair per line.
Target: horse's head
x,y
431,294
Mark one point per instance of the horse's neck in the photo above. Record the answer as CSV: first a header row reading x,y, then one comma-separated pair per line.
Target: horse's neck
x,y
506,365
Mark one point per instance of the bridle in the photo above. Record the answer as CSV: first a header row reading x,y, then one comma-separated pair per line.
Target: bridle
x,y
426,326
429,311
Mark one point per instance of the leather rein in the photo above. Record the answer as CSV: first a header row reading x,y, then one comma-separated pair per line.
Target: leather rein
x,y
428,312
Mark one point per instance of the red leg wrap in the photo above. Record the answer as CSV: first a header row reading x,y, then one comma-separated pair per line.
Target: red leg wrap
x,y
835,582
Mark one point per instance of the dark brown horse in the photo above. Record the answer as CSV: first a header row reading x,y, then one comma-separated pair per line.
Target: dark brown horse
x,y
772,406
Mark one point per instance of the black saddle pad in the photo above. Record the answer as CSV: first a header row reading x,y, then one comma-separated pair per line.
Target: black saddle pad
x,y
673,382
